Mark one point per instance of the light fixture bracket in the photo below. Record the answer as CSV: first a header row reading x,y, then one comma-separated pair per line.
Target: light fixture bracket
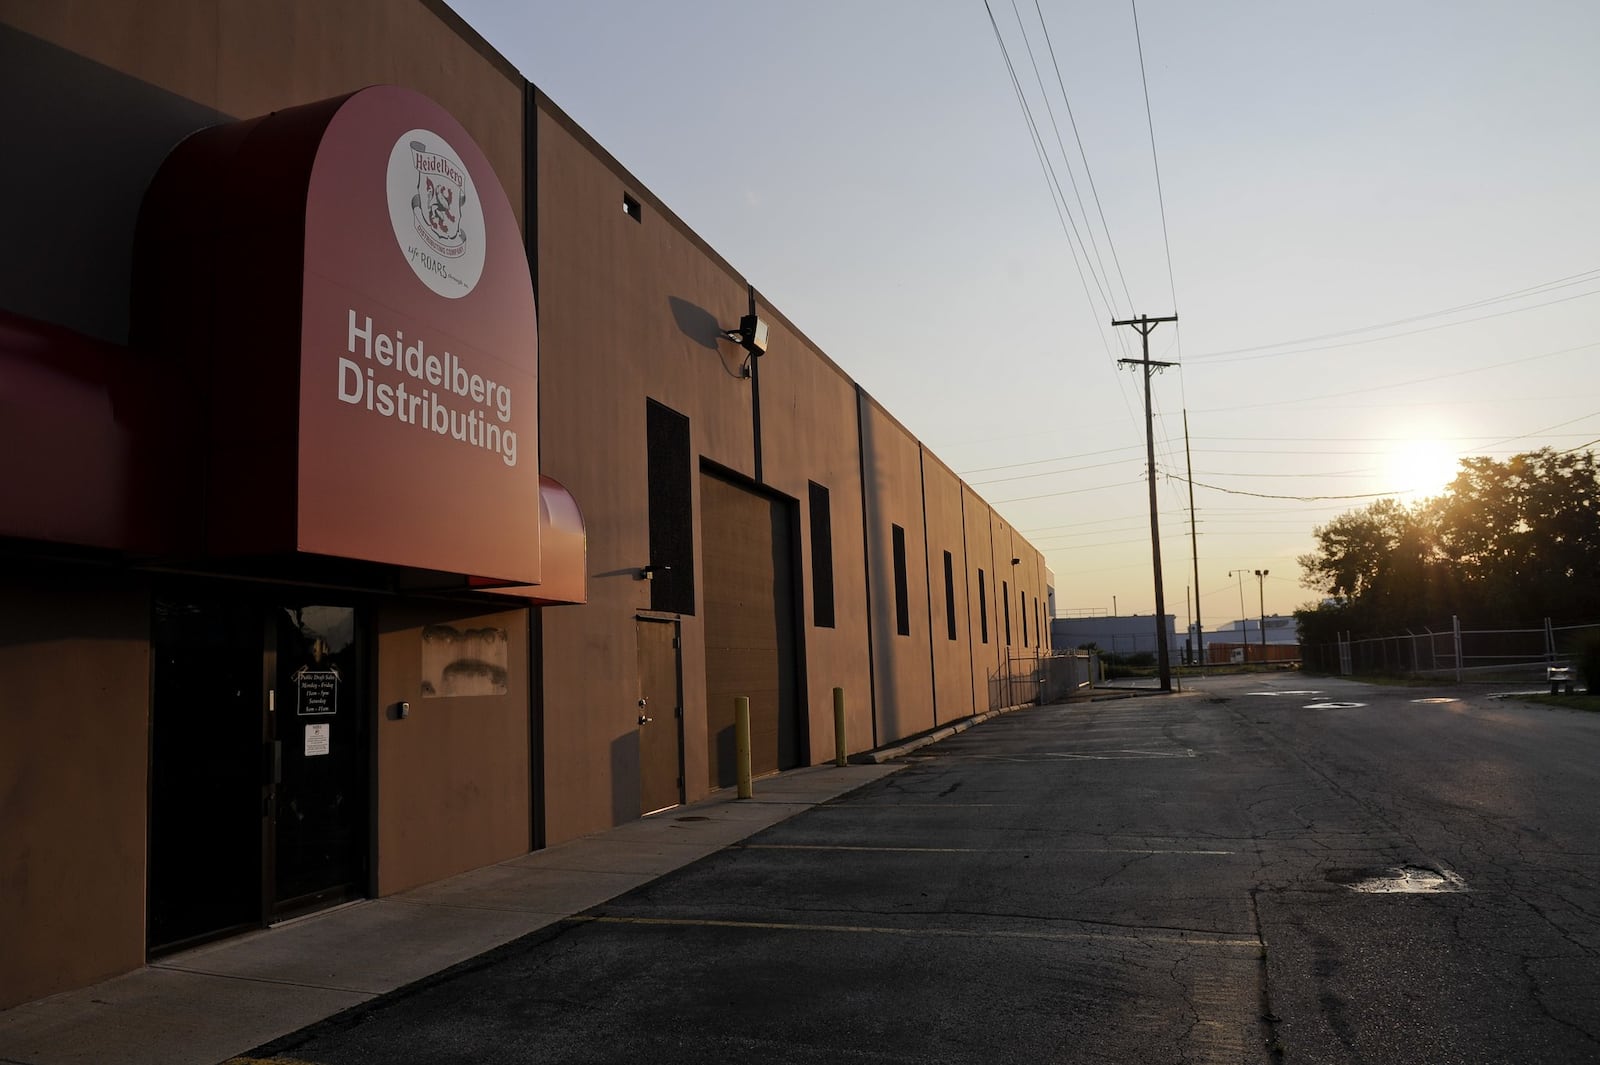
x,y
751,334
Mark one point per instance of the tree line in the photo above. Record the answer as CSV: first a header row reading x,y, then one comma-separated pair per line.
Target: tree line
x,y
1508,543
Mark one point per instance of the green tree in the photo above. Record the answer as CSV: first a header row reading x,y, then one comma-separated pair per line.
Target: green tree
x,y
1509,542
1523,535
1380,565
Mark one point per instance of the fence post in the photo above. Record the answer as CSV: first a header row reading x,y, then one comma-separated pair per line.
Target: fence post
x,y
839,753
741,745
1455,624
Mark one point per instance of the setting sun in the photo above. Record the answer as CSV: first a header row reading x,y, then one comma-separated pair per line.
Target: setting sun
x,y
1416,469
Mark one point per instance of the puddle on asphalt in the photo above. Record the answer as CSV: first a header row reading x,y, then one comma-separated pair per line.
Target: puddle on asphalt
x,y
1437,699
1398,880
1297,693
1333,706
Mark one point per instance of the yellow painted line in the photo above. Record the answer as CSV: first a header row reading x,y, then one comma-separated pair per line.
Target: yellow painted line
x,y
966,850
1192,939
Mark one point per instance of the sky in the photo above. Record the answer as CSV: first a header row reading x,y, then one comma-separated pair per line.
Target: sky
x,y
1377,222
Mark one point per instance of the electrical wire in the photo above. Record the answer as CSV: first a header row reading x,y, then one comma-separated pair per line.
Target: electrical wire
x,y
1302,499
1154,159
1560,282
1082,155
1057,199
1428,380
1407,333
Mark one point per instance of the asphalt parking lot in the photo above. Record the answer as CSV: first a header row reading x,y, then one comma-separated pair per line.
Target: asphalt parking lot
x,y
1257,870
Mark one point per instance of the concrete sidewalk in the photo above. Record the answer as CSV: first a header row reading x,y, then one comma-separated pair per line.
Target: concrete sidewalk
x,y
222,999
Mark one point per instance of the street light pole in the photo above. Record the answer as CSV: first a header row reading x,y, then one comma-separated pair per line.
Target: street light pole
x,y
1244,622
1261,588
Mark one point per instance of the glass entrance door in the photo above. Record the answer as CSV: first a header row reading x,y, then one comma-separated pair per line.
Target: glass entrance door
x,y
320,794
259,761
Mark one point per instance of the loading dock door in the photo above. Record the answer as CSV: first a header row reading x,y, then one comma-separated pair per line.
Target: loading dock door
x,y
747,555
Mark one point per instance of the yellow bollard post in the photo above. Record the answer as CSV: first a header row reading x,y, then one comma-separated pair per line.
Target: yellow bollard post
x,y
741,745
839,753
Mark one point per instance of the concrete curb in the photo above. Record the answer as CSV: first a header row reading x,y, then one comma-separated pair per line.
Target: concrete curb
x,y
944,732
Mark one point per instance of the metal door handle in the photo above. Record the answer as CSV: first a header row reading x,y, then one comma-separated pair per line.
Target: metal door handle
x,y
643,720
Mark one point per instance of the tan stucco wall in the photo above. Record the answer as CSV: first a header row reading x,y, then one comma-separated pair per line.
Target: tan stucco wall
x,y
986,654
247,59
74,728
452,778
902,668
952,659
628,311
808,429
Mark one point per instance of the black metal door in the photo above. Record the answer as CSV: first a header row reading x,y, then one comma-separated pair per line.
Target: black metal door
x,y
208,785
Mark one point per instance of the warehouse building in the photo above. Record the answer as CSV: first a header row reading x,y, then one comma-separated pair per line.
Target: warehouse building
x,y
397,486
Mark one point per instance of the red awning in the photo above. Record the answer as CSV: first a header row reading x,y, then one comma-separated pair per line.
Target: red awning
x,y
565,549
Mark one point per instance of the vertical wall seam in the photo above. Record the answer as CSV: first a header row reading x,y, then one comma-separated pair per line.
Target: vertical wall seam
x,y
966,582
927,577
755,394
866,561
530,240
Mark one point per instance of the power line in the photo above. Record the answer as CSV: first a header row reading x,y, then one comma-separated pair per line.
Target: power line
x,y
1407,333
1068,492
1172,287
1052,184
1301,499
1428,380
1058,458
1087,172
1048,473
1560,282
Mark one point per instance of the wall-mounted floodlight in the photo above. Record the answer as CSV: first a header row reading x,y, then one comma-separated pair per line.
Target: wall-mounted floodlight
x,y
751,334
650,572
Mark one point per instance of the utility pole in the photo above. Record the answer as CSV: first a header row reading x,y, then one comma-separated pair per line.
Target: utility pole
x,y
1194,547
1144,324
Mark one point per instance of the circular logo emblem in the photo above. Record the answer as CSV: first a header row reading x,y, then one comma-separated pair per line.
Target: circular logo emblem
x,y
438,221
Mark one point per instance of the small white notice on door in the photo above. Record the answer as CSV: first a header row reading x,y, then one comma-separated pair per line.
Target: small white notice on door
x,y
317,739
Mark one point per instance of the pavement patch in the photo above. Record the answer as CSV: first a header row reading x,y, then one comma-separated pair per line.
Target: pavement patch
x,y
1399,880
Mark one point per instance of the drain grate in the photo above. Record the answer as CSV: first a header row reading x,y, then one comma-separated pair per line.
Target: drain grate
x,y
1399,880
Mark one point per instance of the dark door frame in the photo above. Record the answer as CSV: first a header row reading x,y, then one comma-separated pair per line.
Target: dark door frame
x,y
263,600
791,510
676,626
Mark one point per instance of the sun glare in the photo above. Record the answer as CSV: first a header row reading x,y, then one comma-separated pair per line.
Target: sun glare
x,y
1418,469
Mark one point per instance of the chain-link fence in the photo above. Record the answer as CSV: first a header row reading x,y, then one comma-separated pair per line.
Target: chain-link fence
x,y
1050,677
1455,652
